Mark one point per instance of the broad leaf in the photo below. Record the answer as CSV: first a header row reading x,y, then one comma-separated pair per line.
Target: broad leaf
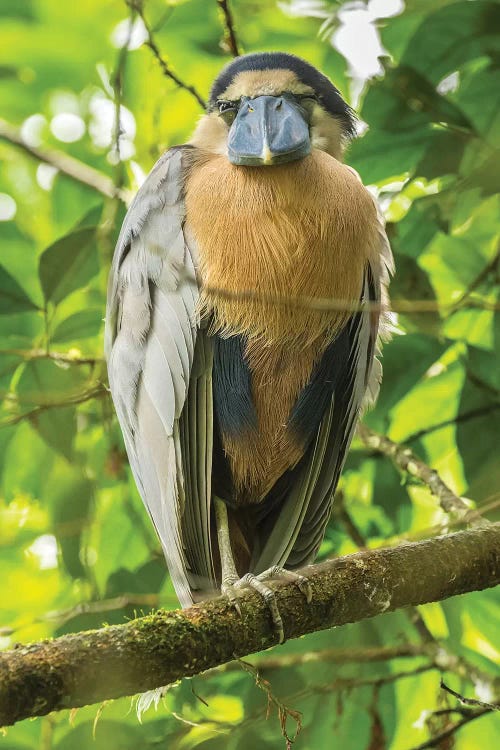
x,y
68,264
13,298
45,390
80,325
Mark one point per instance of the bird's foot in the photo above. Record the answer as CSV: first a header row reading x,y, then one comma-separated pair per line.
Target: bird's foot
x,y
231,588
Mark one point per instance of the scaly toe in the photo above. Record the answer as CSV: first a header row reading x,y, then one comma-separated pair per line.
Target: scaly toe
x,y
253,582
228,590
289,575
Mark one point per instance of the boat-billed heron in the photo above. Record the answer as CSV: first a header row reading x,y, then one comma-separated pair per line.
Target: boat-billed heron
x,y
237,388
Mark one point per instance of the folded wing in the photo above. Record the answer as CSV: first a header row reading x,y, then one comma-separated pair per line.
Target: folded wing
x,y
293,532
159,366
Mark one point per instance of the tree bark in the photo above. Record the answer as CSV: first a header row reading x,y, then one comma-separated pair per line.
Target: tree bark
x,y
158,649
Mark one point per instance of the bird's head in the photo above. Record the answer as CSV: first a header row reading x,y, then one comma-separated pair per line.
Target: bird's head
x,y
271,108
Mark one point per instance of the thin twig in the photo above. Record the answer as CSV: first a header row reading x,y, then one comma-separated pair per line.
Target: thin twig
x,y
88,608
230,41
406,460
341,513
116,81
327,304
61,357
354,683
165,68
469,701
466,416
98,391
284,711
338,686
68,165
482,276
438,738
331,656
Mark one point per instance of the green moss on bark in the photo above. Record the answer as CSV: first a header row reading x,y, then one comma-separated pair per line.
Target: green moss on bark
x,y
162,647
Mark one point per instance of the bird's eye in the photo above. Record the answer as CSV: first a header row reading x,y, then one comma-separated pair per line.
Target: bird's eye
x,y
227,110
307,103
224,106
308,100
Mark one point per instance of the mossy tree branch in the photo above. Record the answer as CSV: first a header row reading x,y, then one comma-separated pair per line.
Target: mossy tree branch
x,y
152,651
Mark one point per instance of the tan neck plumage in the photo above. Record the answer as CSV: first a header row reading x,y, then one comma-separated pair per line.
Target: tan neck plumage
x,y
279,231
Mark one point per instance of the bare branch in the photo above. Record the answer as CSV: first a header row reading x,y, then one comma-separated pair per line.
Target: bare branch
x,y
284,711
97,391
470,701
323,304
466,416
331,655
437,740
408,461
350,683
68,165
489,268
165,67
341,513
158,649
230,41
117,86
61,357
97,607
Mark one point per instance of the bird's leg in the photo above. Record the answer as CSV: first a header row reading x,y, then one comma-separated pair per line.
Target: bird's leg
x,y
231,582
229,574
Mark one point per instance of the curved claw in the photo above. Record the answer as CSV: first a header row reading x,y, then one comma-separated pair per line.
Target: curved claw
x,y
251,581
302,582
254,582
229,591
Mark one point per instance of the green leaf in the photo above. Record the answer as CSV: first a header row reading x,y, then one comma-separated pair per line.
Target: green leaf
x,y
91,218
70,497
80,325
8,71
58,428
453,35
44,383
21,476
13,298
23,9
476,327
68,264
106,735
433,400
406,359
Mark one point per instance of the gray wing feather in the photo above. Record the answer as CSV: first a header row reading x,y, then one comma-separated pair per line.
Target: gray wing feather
x,y
150,341
300,526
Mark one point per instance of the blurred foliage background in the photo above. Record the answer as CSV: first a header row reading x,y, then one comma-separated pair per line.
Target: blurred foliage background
x,y
76,547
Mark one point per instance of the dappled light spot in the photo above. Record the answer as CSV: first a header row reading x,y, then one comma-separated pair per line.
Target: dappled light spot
x,y
123,33
33,129
45,549
67,127
8,207
45,176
